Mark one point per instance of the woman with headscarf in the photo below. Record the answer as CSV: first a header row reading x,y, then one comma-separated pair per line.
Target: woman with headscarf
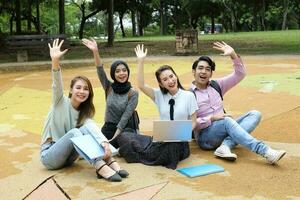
x,y
121,98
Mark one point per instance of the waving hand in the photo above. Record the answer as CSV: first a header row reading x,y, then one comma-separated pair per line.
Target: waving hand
x,y
225,48
140,52
91,44
56,53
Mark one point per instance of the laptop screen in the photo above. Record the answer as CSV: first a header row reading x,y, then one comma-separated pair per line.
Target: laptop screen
x,y
172,130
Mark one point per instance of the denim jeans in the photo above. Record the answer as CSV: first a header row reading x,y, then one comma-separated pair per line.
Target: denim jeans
x,y
232,132
59,154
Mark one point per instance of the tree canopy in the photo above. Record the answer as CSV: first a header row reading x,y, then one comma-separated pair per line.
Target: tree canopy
x,y
84,18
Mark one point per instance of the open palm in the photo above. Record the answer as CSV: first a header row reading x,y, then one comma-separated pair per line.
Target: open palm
x,y
91,44
225,48
140,52
55,51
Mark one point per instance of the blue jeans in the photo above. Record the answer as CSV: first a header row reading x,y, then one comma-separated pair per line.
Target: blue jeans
x,y
232,132
59,154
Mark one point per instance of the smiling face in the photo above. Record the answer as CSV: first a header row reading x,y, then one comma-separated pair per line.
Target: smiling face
x,y
169,81
121,74
202,73
79,93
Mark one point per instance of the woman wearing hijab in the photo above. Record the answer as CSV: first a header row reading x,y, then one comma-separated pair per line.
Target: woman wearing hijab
x,y
121,98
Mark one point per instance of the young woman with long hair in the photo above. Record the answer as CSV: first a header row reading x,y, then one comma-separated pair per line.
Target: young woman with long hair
x,y
71,117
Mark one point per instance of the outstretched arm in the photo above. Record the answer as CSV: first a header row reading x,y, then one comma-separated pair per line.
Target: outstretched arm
x,y
92,45
141,55
229,81
57,85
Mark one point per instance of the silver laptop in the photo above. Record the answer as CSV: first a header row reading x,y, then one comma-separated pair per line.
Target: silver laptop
x,y
172,131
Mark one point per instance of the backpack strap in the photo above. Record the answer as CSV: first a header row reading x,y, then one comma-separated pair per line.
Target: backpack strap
x,y
214,84
191,90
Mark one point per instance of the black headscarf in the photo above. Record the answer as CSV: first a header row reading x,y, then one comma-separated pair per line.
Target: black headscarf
x,y
119,88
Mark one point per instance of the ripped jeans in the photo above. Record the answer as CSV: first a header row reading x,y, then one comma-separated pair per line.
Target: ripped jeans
x,y
231,132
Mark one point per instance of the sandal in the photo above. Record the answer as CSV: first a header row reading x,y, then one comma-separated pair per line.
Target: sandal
x,y
122,172
113,178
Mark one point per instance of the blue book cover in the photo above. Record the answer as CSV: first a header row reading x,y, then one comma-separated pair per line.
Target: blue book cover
x,y
201,170
89,148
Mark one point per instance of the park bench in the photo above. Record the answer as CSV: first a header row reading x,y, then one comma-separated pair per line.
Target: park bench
x,y
22,44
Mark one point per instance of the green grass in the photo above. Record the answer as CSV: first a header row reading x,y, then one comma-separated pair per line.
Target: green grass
x,y
253,43
287,83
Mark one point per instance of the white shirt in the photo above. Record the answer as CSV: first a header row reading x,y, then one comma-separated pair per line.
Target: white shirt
x,y
185,104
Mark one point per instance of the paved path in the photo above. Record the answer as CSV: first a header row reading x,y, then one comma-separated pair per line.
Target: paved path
x,y
25,100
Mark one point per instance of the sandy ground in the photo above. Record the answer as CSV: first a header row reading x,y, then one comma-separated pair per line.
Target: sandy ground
x,y
271,87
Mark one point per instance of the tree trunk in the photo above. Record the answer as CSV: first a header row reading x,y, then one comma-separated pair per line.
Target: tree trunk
x,y
255,18
81,27
121,24
233,23
110,31
82,22
285,12
29,16
38,24
212,22
163,18
262,15
232,17
11,24
139,26
177,20
18,17
298,21
84,17
133,22
61,8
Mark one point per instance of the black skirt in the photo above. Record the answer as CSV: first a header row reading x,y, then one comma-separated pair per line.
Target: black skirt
x,y
136,148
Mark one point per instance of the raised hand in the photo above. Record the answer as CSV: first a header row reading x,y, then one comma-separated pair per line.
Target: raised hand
x,y
225,48
140,52
55,52
91,44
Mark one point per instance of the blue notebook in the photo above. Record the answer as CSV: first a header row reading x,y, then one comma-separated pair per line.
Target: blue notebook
x,y
89,148
201,170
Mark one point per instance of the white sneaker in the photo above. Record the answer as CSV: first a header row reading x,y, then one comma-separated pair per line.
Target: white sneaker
x,y
273,155
224,152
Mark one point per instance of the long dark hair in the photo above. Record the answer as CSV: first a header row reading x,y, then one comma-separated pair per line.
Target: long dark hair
x,y
87,108
158,73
